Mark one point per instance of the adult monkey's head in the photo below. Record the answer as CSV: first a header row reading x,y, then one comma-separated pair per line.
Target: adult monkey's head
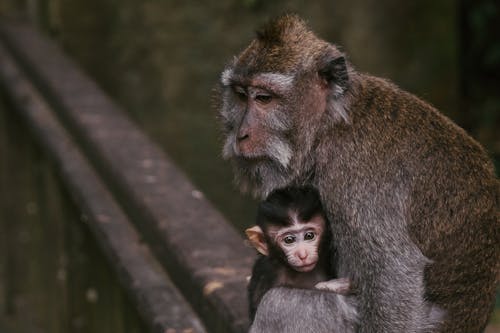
x,y
276,95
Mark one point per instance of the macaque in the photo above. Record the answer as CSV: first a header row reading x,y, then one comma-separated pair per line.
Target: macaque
x,y
412,200
294,243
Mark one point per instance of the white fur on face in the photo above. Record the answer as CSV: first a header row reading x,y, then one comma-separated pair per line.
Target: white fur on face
x,y
225,77
229,149
279,82
280,151
276,148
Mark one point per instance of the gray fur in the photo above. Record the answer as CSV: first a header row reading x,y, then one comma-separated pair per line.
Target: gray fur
x,y
412,199
293,315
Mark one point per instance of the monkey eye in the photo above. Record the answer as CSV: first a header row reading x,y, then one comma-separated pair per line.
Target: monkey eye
x,y
309,235
264,98
290,239
242,96
240,92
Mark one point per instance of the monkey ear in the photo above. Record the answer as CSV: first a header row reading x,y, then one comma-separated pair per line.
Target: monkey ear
x,y
333,71
256,237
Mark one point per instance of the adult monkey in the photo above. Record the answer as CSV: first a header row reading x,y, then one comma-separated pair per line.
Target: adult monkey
x,y
412,199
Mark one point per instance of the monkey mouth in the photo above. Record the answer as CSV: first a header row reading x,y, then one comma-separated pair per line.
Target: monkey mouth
x,y
248,154
306,267
251,159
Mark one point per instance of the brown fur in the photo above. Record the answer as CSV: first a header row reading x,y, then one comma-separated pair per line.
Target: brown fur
x,y
412,199
275,48
453,208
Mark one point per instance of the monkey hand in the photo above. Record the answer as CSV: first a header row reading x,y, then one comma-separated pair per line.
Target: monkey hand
x,y
340,286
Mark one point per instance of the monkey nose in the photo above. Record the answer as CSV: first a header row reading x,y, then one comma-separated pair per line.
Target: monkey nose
x,y
302,254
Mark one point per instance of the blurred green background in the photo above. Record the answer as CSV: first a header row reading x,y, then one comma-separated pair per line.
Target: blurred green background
x,y
161,59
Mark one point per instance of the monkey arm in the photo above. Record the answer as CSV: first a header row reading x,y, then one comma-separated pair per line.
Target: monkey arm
x,y
387,268
392,300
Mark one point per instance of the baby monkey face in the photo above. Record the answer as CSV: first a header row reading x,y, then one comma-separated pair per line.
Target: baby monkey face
x,y
300,242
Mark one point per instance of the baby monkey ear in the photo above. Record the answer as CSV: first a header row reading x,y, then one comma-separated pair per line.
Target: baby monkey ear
x,y
256,237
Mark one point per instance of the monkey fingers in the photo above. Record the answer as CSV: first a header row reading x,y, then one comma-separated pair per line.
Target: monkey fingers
x,y
340,286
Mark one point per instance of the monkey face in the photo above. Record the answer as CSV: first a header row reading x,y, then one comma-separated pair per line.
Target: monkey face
x,y
270,122
296,244
257,124
275,96
299,243
301,250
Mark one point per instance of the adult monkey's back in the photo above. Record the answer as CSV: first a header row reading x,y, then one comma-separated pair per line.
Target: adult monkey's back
x,y
412,199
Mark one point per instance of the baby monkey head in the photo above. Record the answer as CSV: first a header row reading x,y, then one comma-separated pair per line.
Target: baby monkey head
x,y
290,228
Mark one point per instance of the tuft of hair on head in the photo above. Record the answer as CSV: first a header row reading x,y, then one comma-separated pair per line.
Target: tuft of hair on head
x,y
287,27
282,45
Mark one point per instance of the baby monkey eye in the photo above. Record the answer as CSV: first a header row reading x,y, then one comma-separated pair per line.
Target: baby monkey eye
x,y
289,239
264,98
309,235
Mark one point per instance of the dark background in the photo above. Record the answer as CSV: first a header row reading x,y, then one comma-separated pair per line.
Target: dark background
x,y
161,60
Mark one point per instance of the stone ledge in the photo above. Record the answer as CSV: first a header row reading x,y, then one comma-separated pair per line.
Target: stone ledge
x,y
159,302
203,254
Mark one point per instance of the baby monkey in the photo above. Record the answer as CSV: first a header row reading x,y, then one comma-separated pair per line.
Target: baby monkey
x,y
293,237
